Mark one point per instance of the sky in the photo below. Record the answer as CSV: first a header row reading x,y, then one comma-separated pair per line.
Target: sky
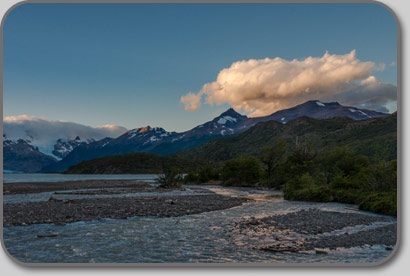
x,y
179,65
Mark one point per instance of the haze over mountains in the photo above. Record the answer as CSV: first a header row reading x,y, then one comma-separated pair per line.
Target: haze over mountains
x,y
19,152
44,134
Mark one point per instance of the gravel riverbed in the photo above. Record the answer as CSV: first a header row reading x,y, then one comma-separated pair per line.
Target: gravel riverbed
x,y
39,187
313,229
68,210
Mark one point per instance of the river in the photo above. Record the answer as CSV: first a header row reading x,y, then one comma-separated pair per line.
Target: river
x,y
201,238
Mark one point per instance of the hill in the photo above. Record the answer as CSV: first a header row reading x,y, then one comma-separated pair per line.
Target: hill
x,y
132,163
375,138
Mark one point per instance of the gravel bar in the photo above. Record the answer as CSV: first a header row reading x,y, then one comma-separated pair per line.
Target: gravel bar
x,y
61,211
314,221
314,231
39,187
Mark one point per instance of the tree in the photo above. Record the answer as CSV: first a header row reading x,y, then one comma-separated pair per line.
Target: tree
x,y
272,157
242,171
383,176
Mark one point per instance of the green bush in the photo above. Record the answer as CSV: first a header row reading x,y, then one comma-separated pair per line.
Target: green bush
x,y
340,175
380,202
347,196
306,188
383,176
241,171
205,174
342,162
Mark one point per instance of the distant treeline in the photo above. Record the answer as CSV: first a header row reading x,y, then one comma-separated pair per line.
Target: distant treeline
x,y
131,163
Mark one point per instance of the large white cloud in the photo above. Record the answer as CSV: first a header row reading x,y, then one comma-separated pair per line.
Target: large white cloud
x,y
44,133
266,85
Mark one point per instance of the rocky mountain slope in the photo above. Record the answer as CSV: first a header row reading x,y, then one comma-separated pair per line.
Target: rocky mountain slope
x,y
20,156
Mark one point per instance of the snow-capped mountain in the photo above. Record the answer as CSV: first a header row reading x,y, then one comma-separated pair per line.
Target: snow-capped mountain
x,y
225,124
159,141
54,138
318,110
20,156
154,140
63,146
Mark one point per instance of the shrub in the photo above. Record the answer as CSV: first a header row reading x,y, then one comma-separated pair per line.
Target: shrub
x,y
241,171
306,188
205,174
347,196
383,176
380,202
342,162
191,177
170,179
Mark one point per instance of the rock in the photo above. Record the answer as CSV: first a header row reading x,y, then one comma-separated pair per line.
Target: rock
x,y
47,236
320,251
52,199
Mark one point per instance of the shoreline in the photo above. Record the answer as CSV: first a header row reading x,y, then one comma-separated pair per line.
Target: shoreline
x,y
39,187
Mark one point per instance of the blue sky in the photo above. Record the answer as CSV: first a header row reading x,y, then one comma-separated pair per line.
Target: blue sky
x,y
129,64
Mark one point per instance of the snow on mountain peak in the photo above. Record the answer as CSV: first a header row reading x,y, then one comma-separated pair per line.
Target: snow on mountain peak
x,y
44,133
226,118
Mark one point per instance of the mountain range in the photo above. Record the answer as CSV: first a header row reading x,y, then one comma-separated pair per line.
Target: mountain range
x,y
375,138
158,141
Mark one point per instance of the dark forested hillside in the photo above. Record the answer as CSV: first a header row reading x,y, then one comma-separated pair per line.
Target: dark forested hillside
x,y
136,163
375,138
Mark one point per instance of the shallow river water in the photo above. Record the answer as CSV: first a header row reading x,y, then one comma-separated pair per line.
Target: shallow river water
x,y
208,237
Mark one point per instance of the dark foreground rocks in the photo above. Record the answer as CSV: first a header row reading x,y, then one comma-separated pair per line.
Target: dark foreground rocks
x,y
39,187
386,235
383,235
314,221
64,211
317,230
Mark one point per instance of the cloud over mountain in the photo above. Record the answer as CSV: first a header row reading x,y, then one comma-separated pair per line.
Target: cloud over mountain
x,y
44,133
266,85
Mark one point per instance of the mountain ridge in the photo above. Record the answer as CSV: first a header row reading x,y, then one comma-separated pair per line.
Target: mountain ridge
x,y
375,138
158,141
